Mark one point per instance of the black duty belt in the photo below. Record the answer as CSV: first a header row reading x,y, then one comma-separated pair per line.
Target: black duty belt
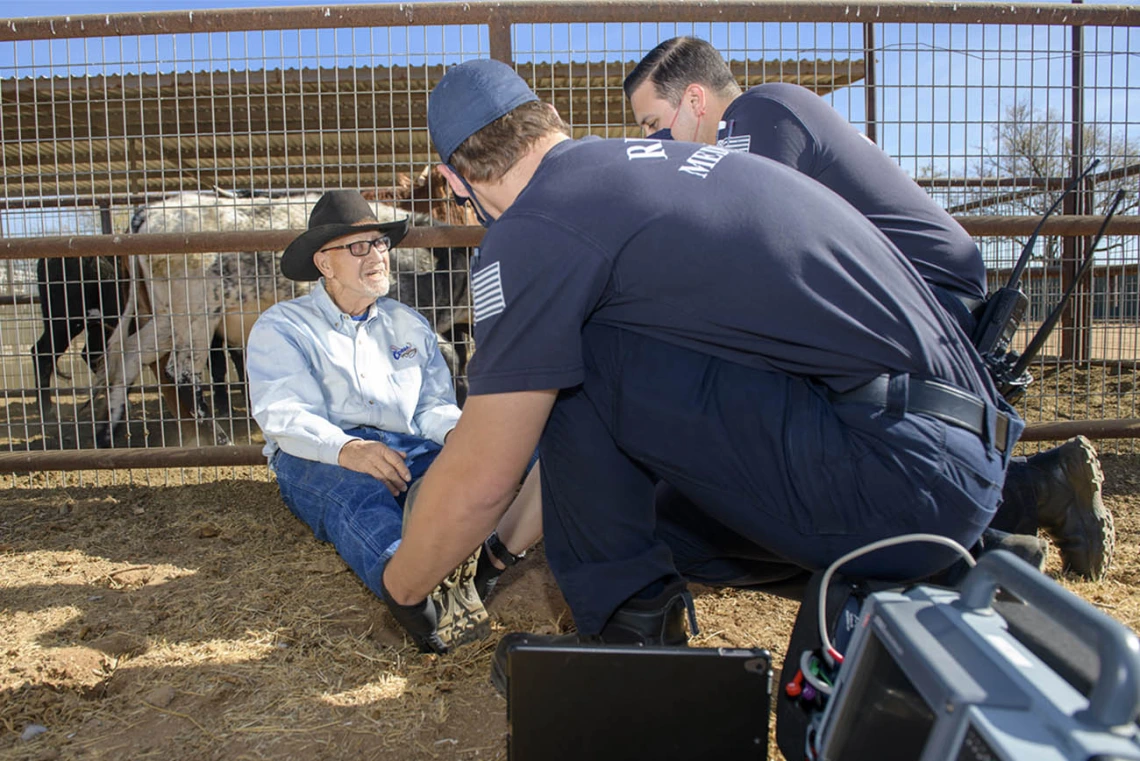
x,y
950,405
973,306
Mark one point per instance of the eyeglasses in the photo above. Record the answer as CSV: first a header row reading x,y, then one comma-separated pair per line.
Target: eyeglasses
x,y
362,247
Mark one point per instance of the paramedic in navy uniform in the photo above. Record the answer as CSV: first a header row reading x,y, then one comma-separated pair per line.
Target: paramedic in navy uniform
x,y
651,311
683,89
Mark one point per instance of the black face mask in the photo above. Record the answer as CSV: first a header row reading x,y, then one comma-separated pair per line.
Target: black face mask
x,y
480,213
662,134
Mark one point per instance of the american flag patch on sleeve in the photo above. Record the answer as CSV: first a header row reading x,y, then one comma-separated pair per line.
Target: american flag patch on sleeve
x,y
487,290
736,143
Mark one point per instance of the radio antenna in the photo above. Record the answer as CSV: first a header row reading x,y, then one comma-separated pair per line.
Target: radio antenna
x,y
1046,328
1027,249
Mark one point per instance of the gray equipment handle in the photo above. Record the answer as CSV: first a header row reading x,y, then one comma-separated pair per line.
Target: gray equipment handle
x,y
1115,698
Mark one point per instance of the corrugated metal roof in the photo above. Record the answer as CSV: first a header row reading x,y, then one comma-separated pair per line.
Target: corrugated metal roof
x,y
89,138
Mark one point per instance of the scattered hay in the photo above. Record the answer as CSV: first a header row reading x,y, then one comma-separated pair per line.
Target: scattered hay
x,y
129,632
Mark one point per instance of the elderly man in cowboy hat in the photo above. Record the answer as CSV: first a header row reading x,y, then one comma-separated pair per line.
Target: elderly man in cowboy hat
x,y
355,401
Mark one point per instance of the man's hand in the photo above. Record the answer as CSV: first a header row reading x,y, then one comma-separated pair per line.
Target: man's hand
x,y
420,620
377,460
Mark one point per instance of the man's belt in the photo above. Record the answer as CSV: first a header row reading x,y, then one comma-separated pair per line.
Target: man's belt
x,y
973,306
950,405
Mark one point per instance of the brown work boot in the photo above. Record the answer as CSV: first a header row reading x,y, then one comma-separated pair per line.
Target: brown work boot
x,y
462,617
657,621
1065,485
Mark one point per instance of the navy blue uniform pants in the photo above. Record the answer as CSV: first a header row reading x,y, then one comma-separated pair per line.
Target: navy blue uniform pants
x,y
666,461
1017,512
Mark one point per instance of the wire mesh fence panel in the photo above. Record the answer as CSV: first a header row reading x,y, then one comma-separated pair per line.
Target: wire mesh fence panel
x,y
214,133
1001,120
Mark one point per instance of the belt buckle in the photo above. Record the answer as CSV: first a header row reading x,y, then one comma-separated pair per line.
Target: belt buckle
x,y
1001,431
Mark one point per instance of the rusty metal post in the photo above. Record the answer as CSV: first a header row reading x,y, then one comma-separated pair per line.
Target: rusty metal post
x,y
105,223
122,261
499,32
869,83
1075,325
9,270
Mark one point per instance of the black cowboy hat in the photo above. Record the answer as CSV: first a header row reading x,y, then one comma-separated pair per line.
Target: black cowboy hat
x,y
337,213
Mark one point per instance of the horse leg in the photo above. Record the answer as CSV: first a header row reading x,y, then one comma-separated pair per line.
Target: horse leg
x,y
45,353
100,320
237,356
235,328
120,370
59,330
219,389
188,357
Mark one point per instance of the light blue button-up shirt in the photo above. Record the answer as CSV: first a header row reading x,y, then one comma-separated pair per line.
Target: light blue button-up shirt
x,y
314,372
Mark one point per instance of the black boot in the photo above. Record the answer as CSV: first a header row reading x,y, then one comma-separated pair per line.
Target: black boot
x,y
1063,486
1029,548
656,621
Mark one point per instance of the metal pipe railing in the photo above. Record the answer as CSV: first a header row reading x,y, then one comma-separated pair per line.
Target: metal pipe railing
x,y
555,11
63,246
130,458
1061,430
177,457
125,244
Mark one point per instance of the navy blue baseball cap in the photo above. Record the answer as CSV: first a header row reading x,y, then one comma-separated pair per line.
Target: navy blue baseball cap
x,y
470,96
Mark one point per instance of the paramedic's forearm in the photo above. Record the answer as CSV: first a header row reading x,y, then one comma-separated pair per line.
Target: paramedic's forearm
x,y
467,489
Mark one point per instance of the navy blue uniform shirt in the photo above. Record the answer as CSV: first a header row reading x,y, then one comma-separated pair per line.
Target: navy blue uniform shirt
x,y
724,253
794,126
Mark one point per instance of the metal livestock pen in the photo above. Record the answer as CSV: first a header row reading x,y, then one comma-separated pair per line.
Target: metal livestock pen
x,y
993,108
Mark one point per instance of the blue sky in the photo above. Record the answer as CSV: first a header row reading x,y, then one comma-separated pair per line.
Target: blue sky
x,y
942,87
17,8
14,8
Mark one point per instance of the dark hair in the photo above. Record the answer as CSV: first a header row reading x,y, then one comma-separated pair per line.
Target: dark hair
x,y
677,63
492,151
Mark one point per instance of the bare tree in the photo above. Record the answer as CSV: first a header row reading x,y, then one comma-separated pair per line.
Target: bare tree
x,y
1033,146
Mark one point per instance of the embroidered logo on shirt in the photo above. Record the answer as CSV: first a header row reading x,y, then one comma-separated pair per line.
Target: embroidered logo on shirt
x,y
487,289
644,149
703,161
407,351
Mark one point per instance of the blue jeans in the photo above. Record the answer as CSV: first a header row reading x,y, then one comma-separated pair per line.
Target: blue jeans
x,y
352,510
764,477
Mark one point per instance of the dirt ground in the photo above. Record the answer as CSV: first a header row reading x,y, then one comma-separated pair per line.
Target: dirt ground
x,y
205,622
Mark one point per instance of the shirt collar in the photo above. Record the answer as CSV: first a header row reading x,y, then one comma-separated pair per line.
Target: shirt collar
x,y
561,147
331,311
557,150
